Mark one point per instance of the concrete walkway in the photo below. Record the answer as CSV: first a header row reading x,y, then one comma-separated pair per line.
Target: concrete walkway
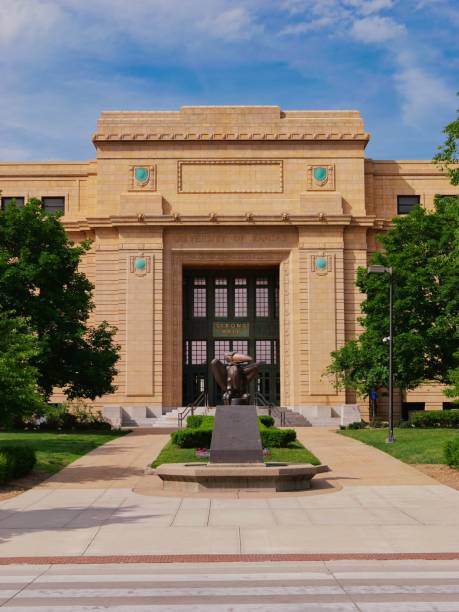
x,y
103,504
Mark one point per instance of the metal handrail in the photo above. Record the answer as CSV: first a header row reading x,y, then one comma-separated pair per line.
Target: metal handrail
x,y
201,400
274,411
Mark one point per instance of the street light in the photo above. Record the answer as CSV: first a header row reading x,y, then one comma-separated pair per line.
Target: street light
x,y
377,269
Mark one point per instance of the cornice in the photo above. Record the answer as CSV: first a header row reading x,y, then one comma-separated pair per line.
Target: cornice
x,y
216,220
243,135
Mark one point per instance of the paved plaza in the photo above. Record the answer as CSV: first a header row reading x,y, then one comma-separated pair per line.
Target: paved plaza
x,y
104,505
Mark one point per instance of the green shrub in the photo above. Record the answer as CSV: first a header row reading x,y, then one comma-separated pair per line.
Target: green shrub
x,y
192,438
354,425
451,451
15,461
266,420
357,425
436,418
74,417
277,438
200,421
194,421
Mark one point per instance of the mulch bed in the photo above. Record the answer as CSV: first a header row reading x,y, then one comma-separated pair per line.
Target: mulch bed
x,y
443,473
16,487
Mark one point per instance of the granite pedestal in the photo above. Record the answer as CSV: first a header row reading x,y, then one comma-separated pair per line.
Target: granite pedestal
x,y
236,436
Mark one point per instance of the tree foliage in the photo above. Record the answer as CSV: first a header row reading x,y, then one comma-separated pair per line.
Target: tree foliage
x,y
40,281
448,154
423,250
19,392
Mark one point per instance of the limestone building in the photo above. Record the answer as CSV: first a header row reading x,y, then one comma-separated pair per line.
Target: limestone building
x,y
219,228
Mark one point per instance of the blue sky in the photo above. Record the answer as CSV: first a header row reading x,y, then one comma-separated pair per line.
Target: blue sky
x,y
64,61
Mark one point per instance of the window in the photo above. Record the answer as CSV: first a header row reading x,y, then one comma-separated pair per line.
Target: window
x,y
240,297
198,352
263,351
53,204
262,297
199,297
221,297
450,405
406,203
7,200
240,346
221,348
410,407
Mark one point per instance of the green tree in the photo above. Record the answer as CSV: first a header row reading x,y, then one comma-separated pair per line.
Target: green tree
x,y
447,155
40,281
423,250
19,392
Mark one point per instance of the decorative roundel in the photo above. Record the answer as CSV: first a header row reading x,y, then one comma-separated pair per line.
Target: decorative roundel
x,y
321,263
140,264
320,173
141,174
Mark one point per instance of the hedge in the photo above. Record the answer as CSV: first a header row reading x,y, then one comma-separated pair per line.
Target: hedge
x,y
452,452
436,418
16,461
192,438
277,438
199,420
266,420
198,433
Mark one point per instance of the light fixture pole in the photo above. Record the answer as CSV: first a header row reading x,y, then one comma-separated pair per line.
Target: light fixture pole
x,y
376,269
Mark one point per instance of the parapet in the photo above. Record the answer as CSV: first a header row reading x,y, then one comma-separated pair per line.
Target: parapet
x,y
230,123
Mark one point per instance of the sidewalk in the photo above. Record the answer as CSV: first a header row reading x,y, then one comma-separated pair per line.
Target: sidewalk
x,y
103,504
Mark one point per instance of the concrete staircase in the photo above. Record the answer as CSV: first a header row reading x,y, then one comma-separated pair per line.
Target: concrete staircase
x,y
299,416
324,416
144,416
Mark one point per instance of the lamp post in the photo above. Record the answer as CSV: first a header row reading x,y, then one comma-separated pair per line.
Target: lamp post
x,y
376,269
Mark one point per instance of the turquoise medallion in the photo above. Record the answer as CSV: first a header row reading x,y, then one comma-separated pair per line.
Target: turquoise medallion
x,y
140,264
320,173
142,174
321,263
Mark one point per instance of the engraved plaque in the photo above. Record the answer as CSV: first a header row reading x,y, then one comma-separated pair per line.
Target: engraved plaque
x,y
230,176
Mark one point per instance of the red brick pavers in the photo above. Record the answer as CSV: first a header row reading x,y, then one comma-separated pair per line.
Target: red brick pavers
x,y
225,558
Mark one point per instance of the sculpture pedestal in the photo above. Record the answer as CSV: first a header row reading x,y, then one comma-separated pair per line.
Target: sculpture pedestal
x,y
236,436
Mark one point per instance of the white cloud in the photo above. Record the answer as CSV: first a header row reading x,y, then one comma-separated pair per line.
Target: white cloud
x,y
306,26
368,7
23,21
231,25
423,95
375,29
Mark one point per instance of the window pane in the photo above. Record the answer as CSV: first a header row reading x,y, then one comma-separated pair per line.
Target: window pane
x,y
406,203
263,351
240,281
53,204
221,302
199,302
240,301
221,281
8,199
221,347
240,346
198,352
262,280
262,302
199,281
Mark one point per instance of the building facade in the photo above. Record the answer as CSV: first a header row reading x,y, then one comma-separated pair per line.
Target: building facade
x,y
228,228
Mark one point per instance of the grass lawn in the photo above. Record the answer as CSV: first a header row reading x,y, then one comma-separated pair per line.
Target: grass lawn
x,y
56,450
294,453
411,445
